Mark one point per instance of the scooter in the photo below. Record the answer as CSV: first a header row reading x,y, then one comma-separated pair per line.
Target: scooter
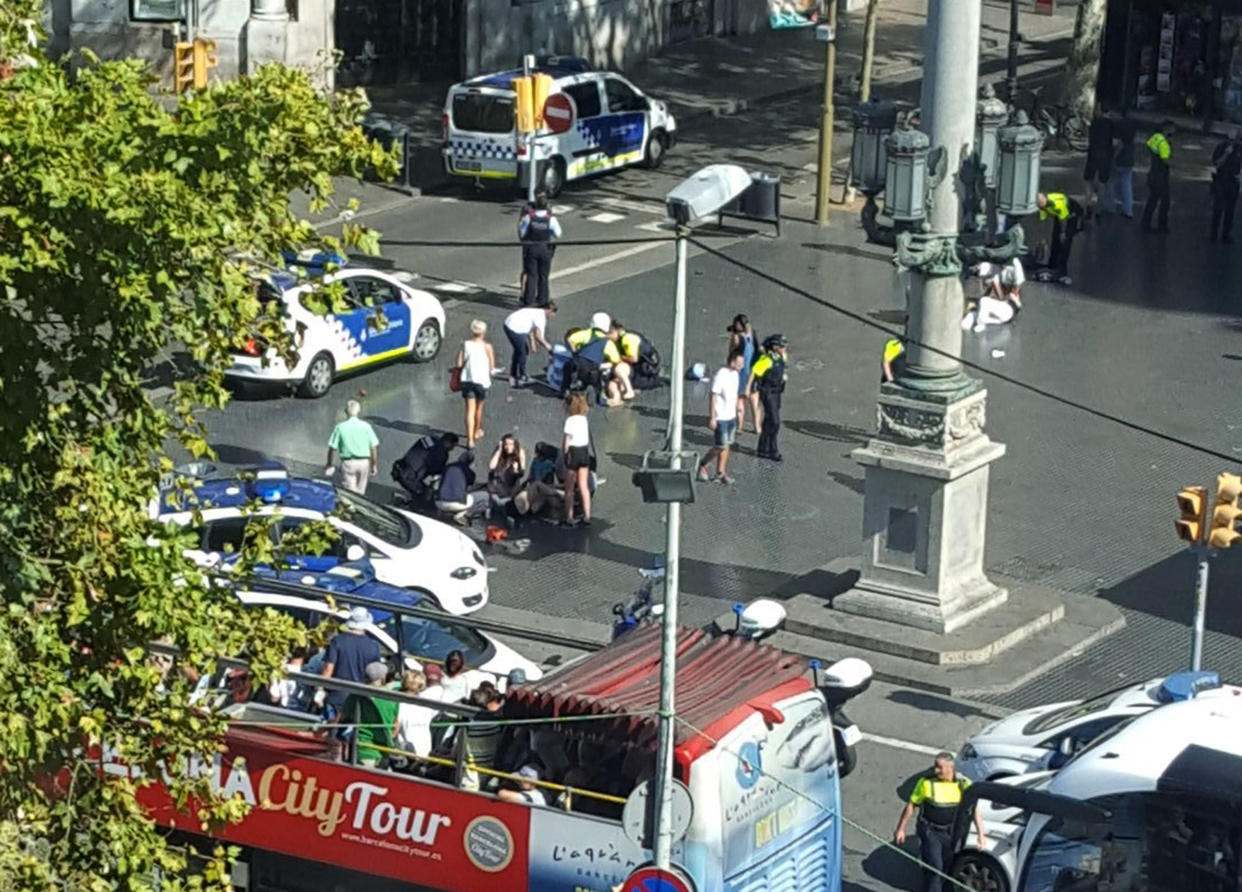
x,y
755,621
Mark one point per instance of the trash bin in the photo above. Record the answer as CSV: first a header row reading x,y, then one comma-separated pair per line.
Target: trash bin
x,y
388,133
761,201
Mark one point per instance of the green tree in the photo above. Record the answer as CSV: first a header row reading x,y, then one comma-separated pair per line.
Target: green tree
x,y
1083,67
128,228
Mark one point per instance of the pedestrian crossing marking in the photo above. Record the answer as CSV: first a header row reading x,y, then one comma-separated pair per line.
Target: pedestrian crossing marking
x,y
403,275
455,287
606,217
562,209
656,226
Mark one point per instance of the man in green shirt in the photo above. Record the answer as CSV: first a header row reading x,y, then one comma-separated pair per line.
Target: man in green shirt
x,y
373,718
353,441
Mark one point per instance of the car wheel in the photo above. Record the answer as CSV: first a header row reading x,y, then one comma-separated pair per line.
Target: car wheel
x,y
427,341
319,375
980,872
553,177
656,146
847,759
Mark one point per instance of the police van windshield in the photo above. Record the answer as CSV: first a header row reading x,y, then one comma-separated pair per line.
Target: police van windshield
x,y
380,521
483,112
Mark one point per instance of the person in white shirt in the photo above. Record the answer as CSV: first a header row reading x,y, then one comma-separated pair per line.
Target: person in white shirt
x,y
1002,295
527,792
526,329
576,448
284,691
413,731
722,417
476,359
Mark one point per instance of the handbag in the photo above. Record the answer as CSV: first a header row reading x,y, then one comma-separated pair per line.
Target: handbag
x,y
455,379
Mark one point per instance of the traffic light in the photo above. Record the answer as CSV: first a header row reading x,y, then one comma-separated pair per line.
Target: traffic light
x,y
183,65
1226,511
204,58
541,86
525,108
1192,502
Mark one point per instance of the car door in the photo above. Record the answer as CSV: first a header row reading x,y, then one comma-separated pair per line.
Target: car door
x,y
318,563
627,129
226,535
582,146
387,314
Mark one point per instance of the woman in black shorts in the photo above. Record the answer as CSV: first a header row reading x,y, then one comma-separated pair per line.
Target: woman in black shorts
x,y
576,445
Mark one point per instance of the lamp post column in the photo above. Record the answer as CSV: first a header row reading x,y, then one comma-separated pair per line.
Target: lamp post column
x,y
925,497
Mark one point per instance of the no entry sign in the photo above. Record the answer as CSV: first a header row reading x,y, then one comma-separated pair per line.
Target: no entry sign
x,y
653,879
558,113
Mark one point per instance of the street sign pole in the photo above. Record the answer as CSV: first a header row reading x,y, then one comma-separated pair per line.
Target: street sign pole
x,y
823,186
663,849
528,65
1203,555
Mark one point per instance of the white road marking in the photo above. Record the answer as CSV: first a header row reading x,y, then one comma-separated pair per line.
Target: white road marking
x,y
600,261
641,207
606,217
901,744
403,275
450,199
659,226
562,209
454,287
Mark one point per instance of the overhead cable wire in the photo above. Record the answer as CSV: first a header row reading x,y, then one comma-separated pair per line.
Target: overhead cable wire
x,y
970,364
560,243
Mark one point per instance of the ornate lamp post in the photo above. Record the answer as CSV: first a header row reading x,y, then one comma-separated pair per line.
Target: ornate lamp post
x,y
925,499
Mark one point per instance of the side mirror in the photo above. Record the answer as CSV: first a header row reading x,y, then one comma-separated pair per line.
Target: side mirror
x,y
355,552
1066,746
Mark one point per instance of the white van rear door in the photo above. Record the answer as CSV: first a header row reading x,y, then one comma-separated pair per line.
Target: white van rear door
x,y
481,140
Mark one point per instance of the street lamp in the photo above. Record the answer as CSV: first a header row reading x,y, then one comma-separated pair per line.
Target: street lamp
x,y
1018,184
873,121
905,180
990,115
699,197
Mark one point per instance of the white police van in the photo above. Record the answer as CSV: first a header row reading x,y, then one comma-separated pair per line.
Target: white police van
x,y
343,339
614,124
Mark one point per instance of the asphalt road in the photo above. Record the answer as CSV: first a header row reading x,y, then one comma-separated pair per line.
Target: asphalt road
x,y
1148,331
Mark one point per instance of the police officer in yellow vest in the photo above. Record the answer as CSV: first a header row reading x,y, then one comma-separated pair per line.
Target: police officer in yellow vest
x,y
1066,214
1160,151
937,796
769,376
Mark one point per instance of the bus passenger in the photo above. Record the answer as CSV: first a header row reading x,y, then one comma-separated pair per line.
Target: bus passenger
x,y
527,792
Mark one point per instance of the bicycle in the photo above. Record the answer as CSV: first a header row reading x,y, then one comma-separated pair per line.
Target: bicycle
x,y
1061,125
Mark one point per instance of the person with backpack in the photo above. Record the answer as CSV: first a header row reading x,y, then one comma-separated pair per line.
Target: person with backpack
x,y
769,375
937,796
537,229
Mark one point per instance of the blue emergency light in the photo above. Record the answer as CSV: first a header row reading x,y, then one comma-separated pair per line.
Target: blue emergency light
x,y
271,483
1185,685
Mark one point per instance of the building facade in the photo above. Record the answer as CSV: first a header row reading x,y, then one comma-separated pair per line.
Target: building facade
x,y
1180,58
395,41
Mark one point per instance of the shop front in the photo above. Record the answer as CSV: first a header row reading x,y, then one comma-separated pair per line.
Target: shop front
x,y
1179,58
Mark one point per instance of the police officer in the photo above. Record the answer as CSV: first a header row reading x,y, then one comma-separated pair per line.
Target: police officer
x,y
937,795
1227,164
537,228
1066,214
768,374
1161,153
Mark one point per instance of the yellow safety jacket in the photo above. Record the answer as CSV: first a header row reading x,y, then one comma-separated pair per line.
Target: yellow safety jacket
x,y
630,343
938,800
1057,206
1159,146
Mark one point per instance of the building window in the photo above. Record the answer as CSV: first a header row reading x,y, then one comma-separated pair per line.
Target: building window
x,y
157,10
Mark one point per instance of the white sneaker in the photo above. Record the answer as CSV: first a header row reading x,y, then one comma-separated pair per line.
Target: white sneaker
x,y
979,326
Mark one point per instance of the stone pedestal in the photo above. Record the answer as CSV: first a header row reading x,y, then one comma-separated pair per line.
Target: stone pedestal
x,y
267,40
925,511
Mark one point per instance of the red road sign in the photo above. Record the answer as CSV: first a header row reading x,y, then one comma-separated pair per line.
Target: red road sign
x,y
652,879
558,113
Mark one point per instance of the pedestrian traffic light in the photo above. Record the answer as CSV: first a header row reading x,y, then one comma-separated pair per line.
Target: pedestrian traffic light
x,y
183,65
204,58
1192,502
1225,513
541,86
525,108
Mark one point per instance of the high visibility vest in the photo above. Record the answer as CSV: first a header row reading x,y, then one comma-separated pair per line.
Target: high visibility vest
x,y
938,800
1158,145
1057,206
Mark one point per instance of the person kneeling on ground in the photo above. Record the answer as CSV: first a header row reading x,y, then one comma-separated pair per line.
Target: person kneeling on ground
x,y
1002,295
455,496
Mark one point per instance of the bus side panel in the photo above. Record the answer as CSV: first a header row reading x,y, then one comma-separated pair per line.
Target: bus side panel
x,y
576,853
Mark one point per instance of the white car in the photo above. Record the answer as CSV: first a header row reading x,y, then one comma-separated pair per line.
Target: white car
x,y
424,638
383,319
991,869
596,121
406,550
1032,738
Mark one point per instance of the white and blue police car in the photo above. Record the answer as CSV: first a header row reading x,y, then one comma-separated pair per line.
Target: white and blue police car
x,y
383,319
425,638
406,550
607,123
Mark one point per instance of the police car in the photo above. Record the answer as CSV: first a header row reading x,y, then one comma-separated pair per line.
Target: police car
x,y
423,637
382,319
406,550
606,123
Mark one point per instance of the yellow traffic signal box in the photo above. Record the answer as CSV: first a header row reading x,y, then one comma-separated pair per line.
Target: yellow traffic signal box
x,y
541,86
183,65
525,108
1226,511
1192,503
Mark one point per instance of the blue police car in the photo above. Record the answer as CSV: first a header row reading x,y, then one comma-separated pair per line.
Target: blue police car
x,y
406,550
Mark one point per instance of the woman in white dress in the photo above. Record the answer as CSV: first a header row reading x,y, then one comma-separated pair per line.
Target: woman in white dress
x,y
476,359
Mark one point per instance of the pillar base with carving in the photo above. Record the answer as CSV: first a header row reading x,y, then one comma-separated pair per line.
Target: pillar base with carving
x,y
925,511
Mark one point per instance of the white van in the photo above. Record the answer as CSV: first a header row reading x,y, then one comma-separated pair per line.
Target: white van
x,y
612,124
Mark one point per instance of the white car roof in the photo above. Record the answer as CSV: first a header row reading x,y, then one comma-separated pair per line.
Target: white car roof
x,y
1134,758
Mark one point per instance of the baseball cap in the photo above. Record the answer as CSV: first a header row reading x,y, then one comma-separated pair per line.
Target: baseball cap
x,y
602,321
529,772
376,671
359,618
